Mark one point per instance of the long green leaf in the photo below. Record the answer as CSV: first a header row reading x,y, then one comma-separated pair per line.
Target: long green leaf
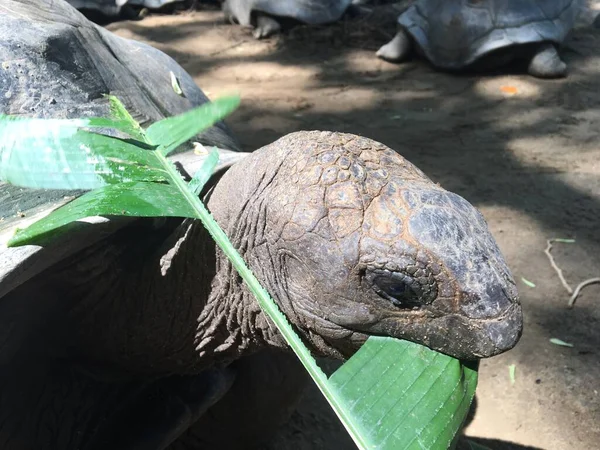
x,y
58,155
404,395
203,174
137,199
118,121
171,132
127,124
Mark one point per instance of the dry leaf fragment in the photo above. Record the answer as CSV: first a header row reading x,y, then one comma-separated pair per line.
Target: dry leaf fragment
x,y
509,90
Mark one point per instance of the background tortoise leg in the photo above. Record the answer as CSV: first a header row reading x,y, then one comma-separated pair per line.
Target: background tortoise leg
x,y
265,26
397,49
268,386
546,63
358,8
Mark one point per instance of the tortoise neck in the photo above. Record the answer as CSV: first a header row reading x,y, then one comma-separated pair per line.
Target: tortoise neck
x,y
231,324
164,299
184,309
214,318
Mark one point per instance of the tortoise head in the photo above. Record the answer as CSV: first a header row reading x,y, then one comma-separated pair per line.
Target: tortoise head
x,y
352,240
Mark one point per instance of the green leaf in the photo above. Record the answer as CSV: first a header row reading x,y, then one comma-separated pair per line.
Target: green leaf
x,y
103,122
528,283
404,395
126,199
126,123
512,369
475,446
57,155
171,132
117,121
203,174
31,125
560,342
175,84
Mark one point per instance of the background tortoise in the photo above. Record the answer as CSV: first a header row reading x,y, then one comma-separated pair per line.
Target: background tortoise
x,y
262,13
123,333
457,34
117,9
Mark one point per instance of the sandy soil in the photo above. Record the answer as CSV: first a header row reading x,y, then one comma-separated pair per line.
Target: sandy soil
x,y
525,151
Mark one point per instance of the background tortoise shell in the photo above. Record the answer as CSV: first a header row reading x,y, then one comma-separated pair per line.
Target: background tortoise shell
x,y
313,12
454,34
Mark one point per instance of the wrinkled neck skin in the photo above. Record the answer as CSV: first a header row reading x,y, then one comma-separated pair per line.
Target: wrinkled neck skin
x,y
167,300
194,271
254,202
230,323
240,204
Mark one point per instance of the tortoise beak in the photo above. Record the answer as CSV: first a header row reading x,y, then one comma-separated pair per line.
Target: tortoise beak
x,y
500,335
458,335
469,338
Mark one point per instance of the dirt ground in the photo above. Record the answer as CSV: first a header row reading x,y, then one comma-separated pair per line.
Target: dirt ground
x,y
524,151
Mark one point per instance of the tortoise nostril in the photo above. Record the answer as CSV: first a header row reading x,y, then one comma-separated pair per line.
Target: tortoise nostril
x,y
488,303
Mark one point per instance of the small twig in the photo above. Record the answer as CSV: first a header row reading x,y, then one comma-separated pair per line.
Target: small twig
x,y
579,287
555,266
229,47
574,292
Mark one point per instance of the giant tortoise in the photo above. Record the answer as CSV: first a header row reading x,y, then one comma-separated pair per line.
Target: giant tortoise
x,y
459,34
264,14
131,333
117,9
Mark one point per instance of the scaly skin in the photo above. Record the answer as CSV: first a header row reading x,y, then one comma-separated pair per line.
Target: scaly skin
x,y
329,222
348,237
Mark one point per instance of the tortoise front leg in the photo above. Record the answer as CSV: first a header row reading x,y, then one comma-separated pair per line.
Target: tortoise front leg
x,y
155,416
397,49
268,386
546,63
265,26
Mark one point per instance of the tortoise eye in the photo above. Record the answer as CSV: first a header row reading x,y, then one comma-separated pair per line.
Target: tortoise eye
x,y
398,291
403,290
